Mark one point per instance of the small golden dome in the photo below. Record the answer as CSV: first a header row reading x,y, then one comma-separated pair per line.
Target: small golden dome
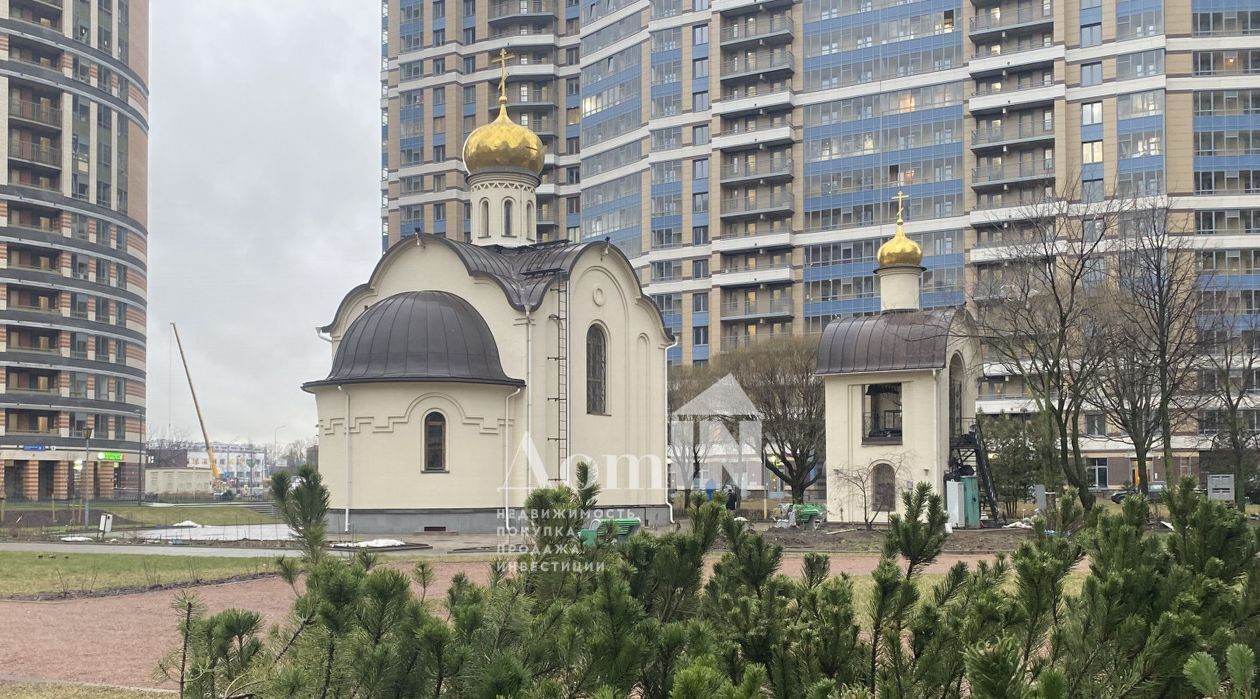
x,y
503,144
899,251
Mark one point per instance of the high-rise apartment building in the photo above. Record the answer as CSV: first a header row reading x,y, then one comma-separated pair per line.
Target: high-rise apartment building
x,y
747,153
73,206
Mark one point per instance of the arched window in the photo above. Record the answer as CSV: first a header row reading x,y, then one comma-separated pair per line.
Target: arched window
x,y
435,442
529,219
485,218
507,217
596,371
883,488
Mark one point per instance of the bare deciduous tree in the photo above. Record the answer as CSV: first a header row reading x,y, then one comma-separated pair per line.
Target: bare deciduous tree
x,y
778,377
1228,383
1159,310
874,484
689,445
1036,309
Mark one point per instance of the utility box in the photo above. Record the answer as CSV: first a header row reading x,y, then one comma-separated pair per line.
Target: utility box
x,y
107,524
1220,486
971,502
954,504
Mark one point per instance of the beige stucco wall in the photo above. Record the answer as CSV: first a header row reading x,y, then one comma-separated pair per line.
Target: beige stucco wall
x,y
626,446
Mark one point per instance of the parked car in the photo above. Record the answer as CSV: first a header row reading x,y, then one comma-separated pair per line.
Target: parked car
x,y
1154,492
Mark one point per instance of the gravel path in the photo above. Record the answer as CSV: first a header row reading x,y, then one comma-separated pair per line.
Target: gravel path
x,y
118,640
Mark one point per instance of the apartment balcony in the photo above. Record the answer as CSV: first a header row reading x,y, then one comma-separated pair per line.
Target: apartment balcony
x,y
1011,21
767,206
1012,94
735,342
754,101
882,427
760,170
1014,58
1011,135
35,154
32,112
1012,173
758,31
762,65
757,310
32,390
762,134
764,235
522,10
48,351
42,309
741,7
747,275
42,4
538,99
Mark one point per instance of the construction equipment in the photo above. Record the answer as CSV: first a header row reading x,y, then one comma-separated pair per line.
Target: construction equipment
x,y
214,468
618,528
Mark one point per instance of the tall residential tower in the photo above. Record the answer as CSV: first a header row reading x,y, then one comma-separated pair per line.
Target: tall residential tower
x,y
746,153
73,205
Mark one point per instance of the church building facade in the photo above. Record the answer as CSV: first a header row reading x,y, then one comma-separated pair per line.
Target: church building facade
x,y
466,375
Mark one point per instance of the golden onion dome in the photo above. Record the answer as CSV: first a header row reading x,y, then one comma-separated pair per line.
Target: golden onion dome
x,y
899,250
503,144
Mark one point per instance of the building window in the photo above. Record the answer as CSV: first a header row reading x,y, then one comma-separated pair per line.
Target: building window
x,y
1091,152
507,217
1091,35
1091,113
700,101
434,442
596,371
1091,191
1098,473
883,488
700,336
699,34
1091,74
700,302
699,235
700,135
485,218
1096,425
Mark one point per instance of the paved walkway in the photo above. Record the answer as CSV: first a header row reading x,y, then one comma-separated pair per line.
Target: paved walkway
x,y
441,545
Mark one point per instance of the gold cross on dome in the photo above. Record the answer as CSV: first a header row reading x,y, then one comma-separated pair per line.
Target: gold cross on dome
x,y
502,60
899,197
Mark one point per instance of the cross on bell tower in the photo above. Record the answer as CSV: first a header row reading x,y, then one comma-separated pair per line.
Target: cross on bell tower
x,y
502,60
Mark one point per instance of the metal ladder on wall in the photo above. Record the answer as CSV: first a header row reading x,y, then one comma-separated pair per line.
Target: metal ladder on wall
x,y
561,358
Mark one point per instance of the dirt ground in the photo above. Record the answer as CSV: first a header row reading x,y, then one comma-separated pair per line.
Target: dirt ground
x,y
118,640
849,540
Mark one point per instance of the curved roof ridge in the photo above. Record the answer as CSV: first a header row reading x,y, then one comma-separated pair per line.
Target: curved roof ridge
x,y
890,341
523,273
417,336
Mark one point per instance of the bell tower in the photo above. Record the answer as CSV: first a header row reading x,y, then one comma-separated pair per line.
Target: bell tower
x,y
503,160
900,269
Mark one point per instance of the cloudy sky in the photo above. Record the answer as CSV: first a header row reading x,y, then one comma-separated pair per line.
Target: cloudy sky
x,y
264,194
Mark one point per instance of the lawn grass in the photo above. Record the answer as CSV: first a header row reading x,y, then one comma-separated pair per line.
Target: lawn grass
x,y
165,516
24,574
73,691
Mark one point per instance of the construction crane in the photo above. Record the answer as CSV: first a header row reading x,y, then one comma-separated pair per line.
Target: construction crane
x,y
214,468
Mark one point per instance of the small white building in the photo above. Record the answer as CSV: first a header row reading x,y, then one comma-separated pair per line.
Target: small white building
x,y
900,390
467,374
193,480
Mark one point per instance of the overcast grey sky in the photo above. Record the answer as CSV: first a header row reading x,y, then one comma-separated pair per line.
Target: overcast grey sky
x,y
264,196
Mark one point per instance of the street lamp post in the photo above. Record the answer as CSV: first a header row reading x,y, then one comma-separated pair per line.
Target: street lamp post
x,y
275,446
82,466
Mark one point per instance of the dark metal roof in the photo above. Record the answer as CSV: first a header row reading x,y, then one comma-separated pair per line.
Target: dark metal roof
x,y
524,273
891,341
418,336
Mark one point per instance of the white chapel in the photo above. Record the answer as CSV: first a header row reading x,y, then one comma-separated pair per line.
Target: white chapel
x,y
467,374
900,390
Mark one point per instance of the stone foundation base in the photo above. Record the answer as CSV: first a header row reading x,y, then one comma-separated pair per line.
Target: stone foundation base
x,y
465,520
